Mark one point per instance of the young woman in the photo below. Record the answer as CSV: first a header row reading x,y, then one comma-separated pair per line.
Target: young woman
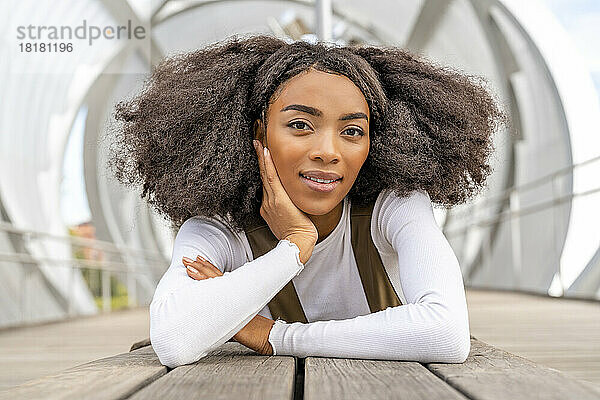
x,y
301,178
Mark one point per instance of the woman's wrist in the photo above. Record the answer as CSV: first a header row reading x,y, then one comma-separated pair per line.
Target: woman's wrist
x,y
305,245
255,335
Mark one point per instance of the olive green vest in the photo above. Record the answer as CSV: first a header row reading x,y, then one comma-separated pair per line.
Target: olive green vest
x,y
377,286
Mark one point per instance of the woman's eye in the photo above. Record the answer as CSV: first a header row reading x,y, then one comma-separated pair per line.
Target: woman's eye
x,y
358,132
303,125
296,123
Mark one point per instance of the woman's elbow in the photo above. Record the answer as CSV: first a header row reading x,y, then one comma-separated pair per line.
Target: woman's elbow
x,y
460,352
171,351
168,354
456,344
168,342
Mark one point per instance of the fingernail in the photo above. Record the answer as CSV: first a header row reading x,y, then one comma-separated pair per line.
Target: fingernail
x,y
200,258
254,143
188,260
192,269
266,151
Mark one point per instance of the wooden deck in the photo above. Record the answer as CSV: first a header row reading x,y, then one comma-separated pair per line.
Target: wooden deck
x,y
36,351
558,333
233,371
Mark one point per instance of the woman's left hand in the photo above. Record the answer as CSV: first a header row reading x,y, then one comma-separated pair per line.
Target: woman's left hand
x,y
200,269
255,334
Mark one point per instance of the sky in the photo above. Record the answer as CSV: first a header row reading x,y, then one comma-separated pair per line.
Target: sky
x,y
580,18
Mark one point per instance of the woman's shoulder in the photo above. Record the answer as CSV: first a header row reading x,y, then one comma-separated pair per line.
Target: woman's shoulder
x,y
391,212
201,225
213,234
389,204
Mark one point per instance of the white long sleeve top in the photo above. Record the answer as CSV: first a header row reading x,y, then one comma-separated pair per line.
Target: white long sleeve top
x,y
189,318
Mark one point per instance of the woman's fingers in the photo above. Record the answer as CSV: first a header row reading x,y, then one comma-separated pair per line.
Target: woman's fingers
x,y
200,268
192,270
194,274
212,269
267,190
272,185
272,176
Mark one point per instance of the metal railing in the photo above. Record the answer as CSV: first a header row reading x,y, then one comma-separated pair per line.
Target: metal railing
x,y
113,260
515,212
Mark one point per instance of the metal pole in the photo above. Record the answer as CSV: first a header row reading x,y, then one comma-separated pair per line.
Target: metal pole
x,y
555,225
131,288
71,289
515,237
23,291
489,262
106,306
323,16
26,268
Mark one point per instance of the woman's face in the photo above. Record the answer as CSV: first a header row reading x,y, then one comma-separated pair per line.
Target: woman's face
x,y
319,124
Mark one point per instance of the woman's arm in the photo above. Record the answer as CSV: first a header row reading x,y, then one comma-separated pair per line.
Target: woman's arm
x,y
432,327
189,318
255,335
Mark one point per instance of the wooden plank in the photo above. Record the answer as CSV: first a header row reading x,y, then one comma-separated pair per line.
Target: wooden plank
x,y
490,373
115,377
338,378
546,330
231,371
146,342
140,344
36,351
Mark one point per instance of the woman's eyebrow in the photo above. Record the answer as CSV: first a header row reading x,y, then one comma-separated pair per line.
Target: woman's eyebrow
x,y
356,115
317,113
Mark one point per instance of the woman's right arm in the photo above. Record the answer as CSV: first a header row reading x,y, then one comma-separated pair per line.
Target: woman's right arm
x,y
189,318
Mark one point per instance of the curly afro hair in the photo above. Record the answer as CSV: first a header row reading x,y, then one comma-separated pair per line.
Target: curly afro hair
x,y
186,138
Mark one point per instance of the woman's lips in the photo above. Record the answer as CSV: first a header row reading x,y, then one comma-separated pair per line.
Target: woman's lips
x,y
320,187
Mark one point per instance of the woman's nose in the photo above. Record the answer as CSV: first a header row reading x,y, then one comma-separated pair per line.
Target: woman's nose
x,y
325,146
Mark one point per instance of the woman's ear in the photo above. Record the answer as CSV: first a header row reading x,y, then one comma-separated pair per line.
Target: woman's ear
x,y
259,131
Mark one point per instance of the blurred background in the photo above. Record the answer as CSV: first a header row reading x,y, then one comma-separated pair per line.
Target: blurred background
x,y
80,255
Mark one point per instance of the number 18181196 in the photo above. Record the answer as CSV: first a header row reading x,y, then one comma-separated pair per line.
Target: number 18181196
x,y
46,47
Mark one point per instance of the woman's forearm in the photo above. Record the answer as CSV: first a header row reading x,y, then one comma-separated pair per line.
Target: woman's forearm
x,y
433,323
434,332
191,317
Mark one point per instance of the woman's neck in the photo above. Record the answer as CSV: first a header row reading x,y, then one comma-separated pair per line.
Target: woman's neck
x,y
326,223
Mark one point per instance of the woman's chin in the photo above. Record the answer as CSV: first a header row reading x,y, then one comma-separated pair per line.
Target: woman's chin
x,y
316,207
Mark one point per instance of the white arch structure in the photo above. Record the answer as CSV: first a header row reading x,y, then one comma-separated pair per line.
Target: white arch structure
x,y
518,46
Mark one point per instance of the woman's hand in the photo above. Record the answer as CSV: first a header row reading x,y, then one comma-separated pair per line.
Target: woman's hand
x,y
285,220
200,269
255,335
